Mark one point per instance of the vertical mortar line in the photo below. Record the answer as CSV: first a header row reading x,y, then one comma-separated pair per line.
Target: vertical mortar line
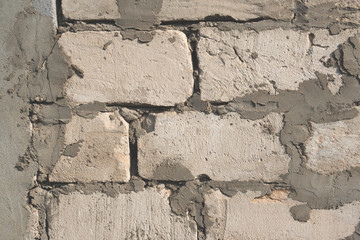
x,y
134,170
46,221
203,229
193,37
59,13
32,155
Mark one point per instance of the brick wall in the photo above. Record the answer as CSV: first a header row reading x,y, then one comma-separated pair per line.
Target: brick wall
x,y
178,119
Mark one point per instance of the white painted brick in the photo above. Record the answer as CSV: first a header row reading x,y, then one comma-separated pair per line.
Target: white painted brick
x,y
103,154
234,63
142,215
225,148
90,9
238,9
245,217
334,146
157,73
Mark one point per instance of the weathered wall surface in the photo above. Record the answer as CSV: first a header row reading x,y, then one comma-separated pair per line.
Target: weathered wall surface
x,y
26,41
180,119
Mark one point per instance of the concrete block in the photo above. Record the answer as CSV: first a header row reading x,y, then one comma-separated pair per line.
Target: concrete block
x,y
334,146
234,63
246,216
175,10
113,70
242,10
90,9
96,150
142,215
183,146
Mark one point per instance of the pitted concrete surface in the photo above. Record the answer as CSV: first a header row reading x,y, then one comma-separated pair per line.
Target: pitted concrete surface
x,y
182,141
90,10
89,157
18,47
124,71
149,210
269,218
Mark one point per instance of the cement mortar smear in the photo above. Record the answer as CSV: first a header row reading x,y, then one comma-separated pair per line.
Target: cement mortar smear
x,y
179,119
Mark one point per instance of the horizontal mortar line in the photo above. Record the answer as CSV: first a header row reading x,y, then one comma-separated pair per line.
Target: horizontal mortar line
x,y
149,108
156,182
44,103
90,21
210,19
225,19
60,184
167,23
175,24
144,105
218,104
277,183
56,185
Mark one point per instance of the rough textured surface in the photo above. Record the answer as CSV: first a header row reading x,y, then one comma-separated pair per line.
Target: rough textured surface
x,y
21,51
240,119
124,71
224,148
328,13
343,4
96,150
141,15
242,10
33,224
245,216
331,14
90,10
234,63
48,142
334,146
143,215
170,10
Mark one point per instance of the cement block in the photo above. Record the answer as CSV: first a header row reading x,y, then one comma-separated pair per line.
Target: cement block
x,y
334,146
90,9
234,63
171,10
183,146
242,10
96,150
142,215
245,216
114,70
192,10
